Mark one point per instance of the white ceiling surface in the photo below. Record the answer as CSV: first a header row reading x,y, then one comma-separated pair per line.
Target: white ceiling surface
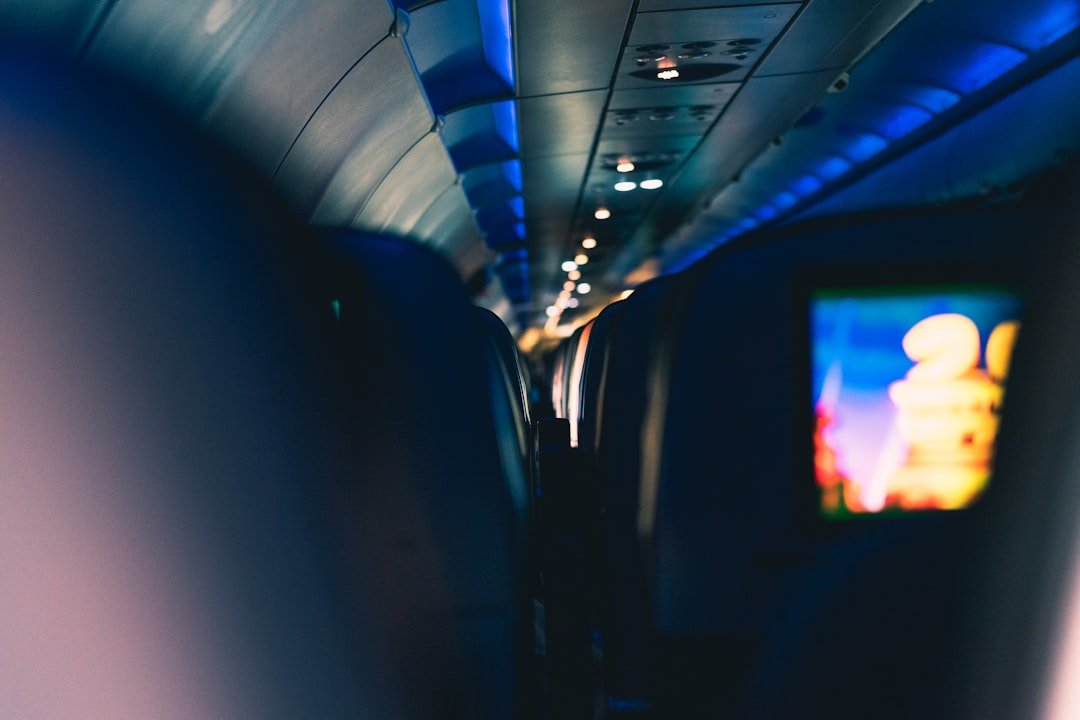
x,y
317,95
324,98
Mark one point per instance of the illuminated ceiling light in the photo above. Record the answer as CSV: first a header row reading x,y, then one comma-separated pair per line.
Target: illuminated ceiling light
x,y
572,303
625,185
569,285
669,74
625,166
652,184
552,311
581,259
602,213
563,302
574,275
564,293
584,289
569,266
588,243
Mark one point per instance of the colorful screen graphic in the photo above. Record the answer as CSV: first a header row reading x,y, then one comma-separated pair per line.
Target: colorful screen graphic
x,y
907,388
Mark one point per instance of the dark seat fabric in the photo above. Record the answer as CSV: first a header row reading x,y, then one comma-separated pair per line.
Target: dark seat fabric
x,y
624,605
1022,595
594,374
163,529
744,591
505,366
237,481
430,505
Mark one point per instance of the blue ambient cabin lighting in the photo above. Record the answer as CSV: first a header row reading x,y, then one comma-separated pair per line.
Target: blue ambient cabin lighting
x,y
865,146
935,99
506,124
785,200
512,173
517,205
1057,20
988,64
834,167
496,36
806,185
904,120
922,101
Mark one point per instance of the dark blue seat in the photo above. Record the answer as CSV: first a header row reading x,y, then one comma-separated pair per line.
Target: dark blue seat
x,y
247,472
165,429
757,611
433,495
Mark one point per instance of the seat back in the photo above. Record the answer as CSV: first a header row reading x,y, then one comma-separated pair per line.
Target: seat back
x,y
164,525
433,500
758,611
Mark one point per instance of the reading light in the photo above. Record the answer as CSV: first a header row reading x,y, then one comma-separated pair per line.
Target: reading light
x,y
625,166
552,311
584,289
669,74
569,285
574,275
602,213
652,184
588,243
569,266
572,303
625,185
581,259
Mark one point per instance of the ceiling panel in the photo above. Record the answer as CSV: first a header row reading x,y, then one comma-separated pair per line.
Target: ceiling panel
x,y
699,46
669,95
551,187
437,216
833,34
568,45
409,188
370,120
722,23
267,100
763,110
651,5
560,124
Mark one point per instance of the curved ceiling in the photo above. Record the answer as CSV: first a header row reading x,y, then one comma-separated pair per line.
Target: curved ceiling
x,y
492,130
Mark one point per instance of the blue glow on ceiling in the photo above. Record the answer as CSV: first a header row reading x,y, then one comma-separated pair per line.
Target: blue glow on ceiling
x,y
833,167
514,257
506,125
1056,20
512,173
934,99
519,230
517,205
785,200
919,103
766,213
987,64
865,146
806,185
904,120
496,35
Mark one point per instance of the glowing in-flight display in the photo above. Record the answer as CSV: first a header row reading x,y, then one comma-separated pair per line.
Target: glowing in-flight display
x,y
908,386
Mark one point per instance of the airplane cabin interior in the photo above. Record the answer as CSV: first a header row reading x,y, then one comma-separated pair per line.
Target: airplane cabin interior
x,y
522,360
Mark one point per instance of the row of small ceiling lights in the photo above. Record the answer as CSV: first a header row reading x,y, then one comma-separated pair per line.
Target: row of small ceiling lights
x,y
572,268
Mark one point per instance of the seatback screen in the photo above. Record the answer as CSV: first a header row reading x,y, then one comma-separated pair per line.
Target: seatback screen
x,y
908,384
